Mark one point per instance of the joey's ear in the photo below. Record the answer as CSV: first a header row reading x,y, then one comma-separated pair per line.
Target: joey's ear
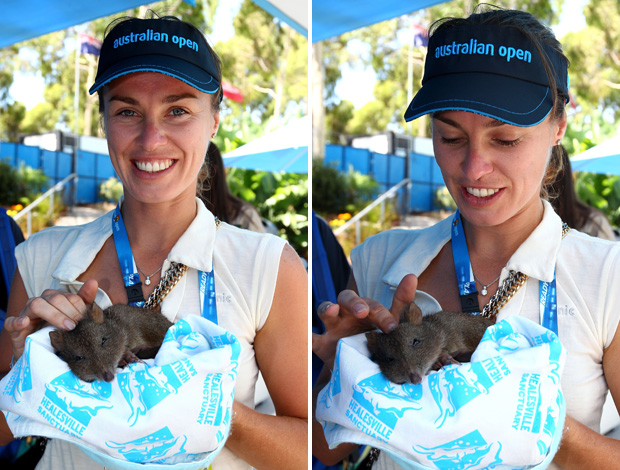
x,y
412,314
57,340
95,313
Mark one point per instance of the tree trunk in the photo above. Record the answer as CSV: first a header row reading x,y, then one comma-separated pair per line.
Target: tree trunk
x,y
318,107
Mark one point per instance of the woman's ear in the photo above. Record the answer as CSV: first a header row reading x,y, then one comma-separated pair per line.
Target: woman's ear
x,y
216,124
561,129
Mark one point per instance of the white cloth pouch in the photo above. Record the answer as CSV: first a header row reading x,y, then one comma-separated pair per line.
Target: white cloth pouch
x,y
503,410
170,412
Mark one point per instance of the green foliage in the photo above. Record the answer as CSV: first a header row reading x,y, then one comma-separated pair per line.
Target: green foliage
x,y
335,192
111,190
602,192
281,198
443,200
20,185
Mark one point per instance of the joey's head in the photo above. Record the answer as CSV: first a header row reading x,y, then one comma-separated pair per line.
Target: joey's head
x,y
94,348
409,351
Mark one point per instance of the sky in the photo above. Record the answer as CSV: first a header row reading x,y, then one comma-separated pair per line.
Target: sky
x,y
356,85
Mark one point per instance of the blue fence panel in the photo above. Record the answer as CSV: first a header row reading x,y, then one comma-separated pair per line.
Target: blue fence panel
x,y
63,165
389,170
358,159
31,156
8,152
93,168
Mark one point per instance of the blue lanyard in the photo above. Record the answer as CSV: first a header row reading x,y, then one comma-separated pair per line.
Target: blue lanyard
x,y
206,286
131,278
548,306
462,266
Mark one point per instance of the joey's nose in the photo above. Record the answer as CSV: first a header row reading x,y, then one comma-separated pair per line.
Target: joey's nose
x,y
108,376
415,378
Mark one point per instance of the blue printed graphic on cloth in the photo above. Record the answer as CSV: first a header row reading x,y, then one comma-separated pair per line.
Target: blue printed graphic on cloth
x,y
528,414
20,376
161,444
377,401
69,404
468,451
555,353
553,416
143,389
457,386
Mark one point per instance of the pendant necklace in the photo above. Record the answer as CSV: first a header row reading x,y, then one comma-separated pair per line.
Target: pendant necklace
x,y
147,281
483,291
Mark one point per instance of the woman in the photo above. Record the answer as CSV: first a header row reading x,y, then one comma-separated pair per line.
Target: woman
x,y
497,108
218,198
159,86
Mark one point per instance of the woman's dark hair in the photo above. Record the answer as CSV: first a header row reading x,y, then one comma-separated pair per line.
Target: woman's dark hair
x,y
564,199
213,189
216,98
538,34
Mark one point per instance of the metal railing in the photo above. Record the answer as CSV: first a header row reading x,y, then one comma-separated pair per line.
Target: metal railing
x,y
49,193
390,193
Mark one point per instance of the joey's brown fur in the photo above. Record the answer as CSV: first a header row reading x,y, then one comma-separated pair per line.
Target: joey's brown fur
x,y
420,343
105,340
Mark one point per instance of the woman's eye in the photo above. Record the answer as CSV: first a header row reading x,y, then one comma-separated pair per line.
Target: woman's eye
x,y
126,112
450,141
507,143
178,112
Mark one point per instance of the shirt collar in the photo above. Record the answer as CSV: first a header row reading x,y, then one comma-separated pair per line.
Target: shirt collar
x,y
187,251
536,256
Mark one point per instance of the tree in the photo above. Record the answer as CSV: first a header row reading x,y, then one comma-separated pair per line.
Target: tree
x,y
268,61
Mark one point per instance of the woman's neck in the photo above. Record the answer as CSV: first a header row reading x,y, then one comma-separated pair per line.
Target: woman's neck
x,y
153,229
492,246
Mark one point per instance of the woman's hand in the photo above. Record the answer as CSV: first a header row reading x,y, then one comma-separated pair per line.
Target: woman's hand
x,y
354,314
60,309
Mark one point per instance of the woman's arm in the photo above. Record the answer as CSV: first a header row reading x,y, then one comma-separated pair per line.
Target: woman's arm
x,y
581,447
281,346
352,315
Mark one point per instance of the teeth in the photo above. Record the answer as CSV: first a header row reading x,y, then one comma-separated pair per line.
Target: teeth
x,y
484,192
153,167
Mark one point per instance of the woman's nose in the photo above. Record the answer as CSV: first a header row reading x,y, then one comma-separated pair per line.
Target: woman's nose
x,y
477,163
152,135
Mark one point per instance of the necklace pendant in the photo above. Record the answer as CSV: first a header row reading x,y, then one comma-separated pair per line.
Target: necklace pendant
x,y
483,291
147,281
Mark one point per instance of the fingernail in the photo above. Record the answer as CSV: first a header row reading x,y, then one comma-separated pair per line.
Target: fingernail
x,y
359,308
69,325
391,326
21,321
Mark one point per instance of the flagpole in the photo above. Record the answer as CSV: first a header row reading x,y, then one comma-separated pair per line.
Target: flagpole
x,y
76,111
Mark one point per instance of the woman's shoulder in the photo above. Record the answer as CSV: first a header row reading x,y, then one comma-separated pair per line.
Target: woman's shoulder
x,y
67,235
398,239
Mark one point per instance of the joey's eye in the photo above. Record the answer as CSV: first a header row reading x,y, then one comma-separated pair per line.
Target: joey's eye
x,y
389,359
415,342
103,340
78,358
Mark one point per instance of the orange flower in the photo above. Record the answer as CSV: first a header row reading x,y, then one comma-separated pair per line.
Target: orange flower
x,y
344,216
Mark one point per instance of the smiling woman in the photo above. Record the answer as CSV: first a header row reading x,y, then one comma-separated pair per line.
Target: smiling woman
x,y
160,104
498,117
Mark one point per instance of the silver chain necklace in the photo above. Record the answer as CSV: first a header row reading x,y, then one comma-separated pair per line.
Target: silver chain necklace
x,y
484,291
147,281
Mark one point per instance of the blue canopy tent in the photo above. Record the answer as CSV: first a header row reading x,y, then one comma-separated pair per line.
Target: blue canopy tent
x,y
602,158
285,149
25,20
335,17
